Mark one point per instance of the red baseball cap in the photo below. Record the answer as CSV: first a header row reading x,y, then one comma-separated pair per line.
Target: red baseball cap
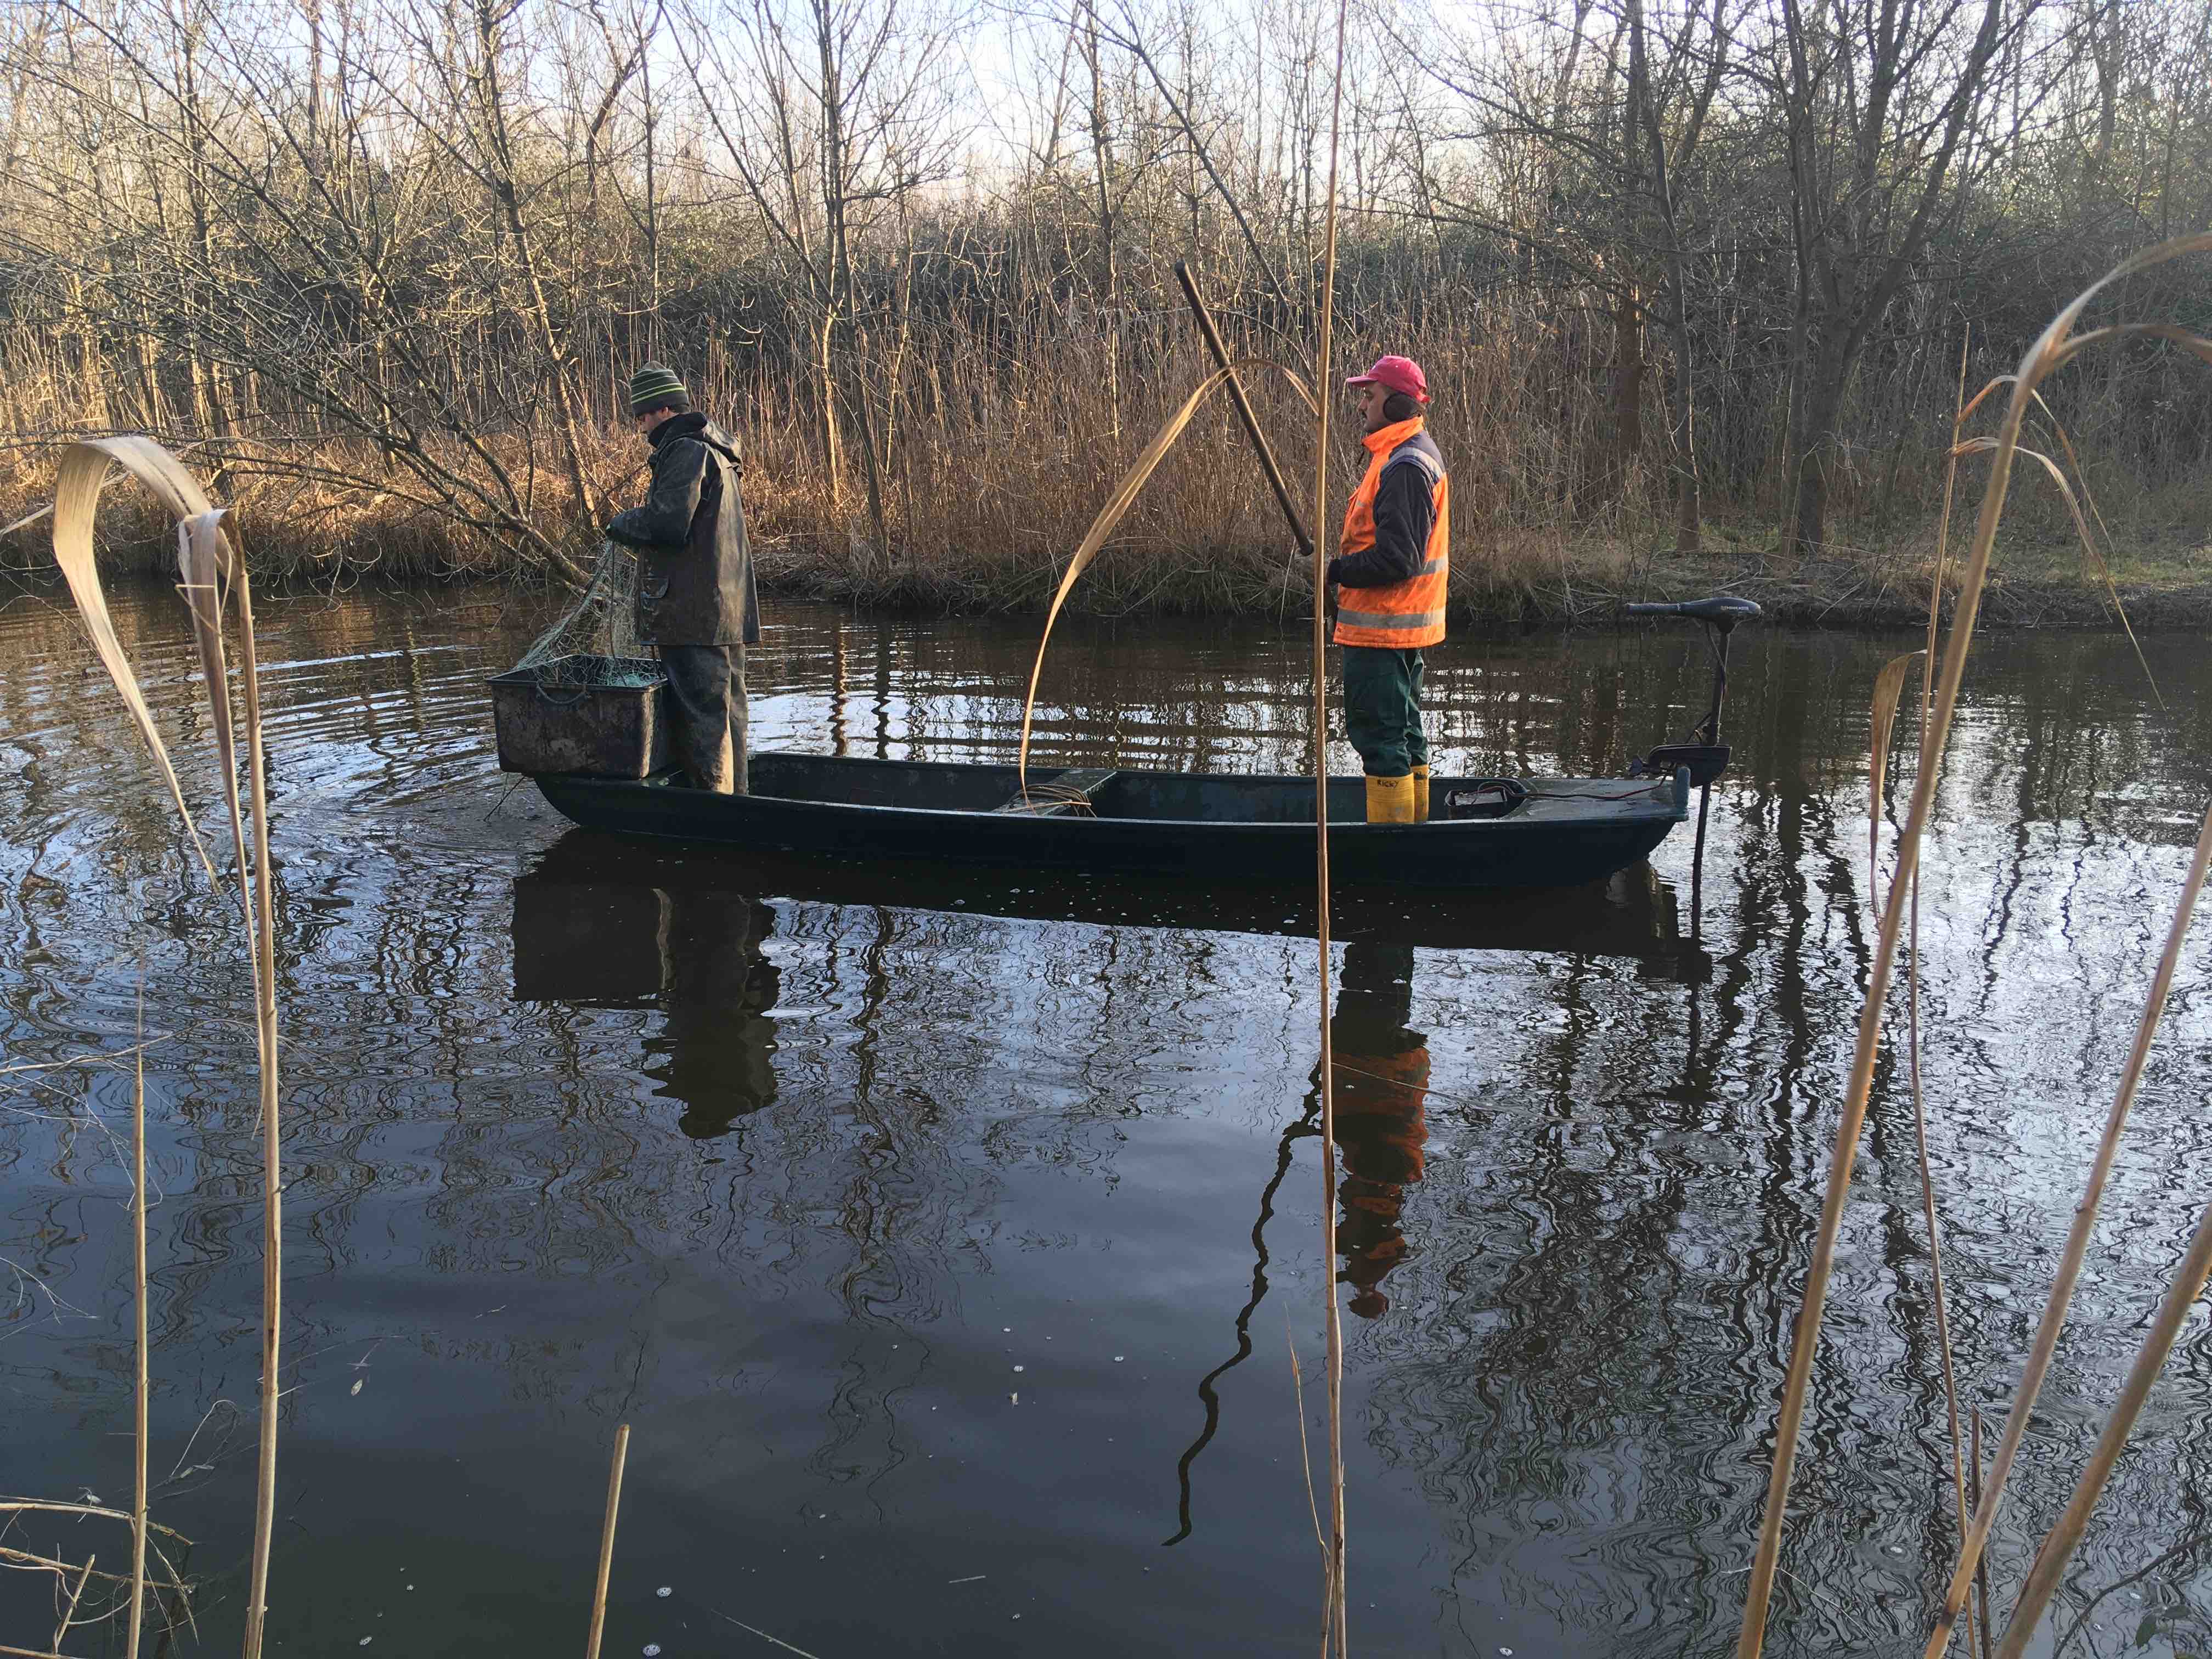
x,y
1398,373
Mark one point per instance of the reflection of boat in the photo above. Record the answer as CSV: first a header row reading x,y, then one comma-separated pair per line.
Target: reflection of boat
x,y
592,917
1555,832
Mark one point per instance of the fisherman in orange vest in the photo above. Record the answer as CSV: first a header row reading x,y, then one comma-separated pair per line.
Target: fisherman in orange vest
x,y
1395,569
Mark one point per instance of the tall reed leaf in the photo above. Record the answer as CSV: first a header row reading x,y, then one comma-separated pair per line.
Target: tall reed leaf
x,y
85,469
211,572
2180,1297
1117,507
1983,446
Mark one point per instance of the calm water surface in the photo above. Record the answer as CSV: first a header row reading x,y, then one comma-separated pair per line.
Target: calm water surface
x,y
946,1242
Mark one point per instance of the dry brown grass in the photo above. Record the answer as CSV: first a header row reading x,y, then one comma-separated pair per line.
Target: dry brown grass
x,y
1002,447
1002,442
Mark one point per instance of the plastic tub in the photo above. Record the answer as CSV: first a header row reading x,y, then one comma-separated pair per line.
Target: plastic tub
x,y
601,717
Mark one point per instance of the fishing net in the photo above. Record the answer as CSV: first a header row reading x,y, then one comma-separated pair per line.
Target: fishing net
x,y
597,643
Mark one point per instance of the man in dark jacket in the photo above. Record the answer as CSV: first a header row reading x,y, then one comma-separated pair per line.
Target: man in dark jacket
x,y
695,596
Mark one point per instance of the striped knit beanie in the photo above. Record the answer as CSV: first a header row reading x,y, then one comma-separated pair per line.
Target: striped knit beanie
x,y
653,384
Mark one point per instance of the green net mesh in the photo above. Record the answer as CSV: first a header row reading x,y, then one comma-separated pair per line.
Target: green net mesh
x,y
597,641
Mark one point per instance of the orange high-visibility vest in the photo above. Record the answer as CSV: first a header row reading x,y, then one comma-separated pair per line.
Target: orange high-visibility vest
x,y
1408,614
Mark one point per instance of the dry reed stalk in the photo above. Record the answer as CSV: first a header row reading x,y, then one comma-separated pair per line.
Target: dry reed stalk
x,y
272,1216
1334,1614
775,1640
1961,1503
209,565
1305,1451
2050,349
45,1506
1889,686
1938,1295
1982,1567
607,1541
69,1613
139,1432
55,1564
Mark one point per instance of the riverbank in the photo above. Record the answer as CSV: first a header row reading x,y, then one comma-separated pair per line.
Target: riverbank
x,y
1581,585
1184,559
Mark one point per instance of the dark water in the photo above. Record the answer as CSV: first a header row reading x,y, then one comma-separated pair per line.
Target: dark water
x,y
912,1223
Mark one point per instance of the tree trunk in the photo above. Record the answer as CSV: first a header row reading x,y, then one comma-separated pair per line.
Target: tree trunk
x,y
1815,445
825,392
1627,392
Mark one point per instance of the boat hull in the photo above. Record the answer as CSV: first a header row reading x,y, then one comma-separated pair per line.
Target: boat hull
x,y
1181,824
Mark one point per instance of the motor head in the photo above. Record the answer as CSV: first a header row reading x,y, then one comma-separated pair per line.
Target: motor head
x,y
1722,611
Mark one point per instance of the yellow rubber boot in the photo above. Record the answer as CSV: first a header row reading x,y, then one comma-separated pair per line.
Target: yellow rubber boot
x,y
1391,800
1421,794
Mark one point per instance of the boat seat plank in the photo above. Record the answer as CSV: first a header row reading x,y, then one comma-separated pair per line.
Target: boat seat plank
x,y
1064,795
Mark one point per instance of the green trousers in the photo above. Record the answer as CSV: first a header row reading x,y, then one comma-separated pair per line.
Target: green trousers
x,y
1382,710
707,713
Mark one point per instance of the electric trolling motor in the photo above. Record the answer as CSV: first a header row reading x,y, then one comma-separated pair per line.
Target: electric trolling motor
x,y
1704,754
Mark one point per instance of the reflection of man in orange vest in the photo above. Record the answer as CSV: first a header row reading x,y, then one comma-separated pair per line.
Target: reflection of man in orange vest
x,y
1395,569
1382,1079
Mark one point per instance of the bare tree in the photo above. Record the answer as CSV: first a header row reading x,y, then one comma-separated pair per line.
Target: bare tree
x,y
1878,101
831,114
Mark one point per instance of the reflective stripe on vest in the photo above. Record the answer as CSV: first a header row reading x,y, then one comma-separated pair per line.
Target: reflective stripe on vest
x,y
1386,621
1405,615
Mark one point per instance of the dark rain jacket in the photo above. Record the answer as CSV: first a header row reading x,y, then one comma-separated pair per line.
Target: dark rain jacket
x,y
1404,514
696,587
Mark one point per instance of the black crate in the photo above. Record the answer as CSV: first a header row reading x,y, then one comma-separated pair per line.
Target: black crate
x,y
604,717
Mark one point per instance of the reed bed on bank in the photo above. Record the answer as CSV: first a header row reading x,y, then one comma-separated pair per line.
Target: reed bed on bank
x,y
998,443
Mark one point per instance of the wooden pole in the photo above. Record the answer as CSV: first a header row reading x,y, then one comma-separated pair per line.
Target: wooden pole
x,y
607,1542
1260,445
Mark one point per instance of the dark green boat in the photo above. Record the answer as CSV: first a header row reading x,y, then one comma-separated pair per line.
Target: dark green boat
x,y
1483,832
